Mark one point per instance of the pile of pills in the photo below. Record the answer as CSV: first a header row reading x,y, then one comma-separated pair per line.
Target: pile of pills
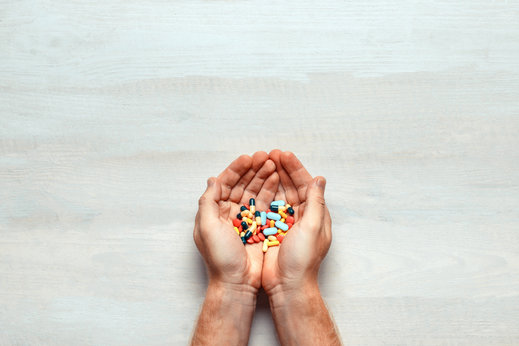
x,y
269,227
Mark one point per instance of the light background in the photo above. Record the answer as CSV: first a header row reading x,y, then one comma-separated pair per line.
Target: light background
x,y
114,113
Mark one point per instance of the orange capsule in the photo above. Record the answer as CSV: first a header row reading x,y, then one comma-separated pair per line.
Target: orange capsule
x,y
256,238
290,219
261,236
280,237
250,240
236,223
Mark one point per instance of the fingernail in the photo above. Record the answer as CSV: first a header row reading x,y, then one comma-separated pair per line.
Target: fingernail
x,y
321,182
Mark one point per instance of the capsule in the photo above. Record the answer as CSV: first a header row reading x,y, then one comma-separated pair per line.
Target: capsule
x,y
273,216
278,203
256,238
281,225
257,215
282,213
273,243
252,204
272,223
248,234
272,238
270,231
237,230
239,216
263,218
242,236
253,228
290,219
290,210
236,223
261,236
265,245
244,225
274,208
243,208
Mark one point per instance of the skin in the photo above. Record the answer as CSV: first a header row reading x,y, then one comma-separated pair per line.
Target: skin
x,y
287,273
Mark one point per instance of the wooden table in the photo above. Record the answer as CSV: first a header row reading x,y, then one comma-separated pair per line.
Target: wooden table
x,y
114,113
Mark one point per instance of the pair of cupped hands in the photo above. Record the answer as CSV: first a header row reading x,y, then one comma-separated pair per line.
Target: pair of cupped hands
x,y
266,177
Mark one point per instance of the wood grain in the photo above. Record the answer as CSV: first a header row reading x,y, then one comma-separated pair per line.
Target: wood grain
x,y
114,113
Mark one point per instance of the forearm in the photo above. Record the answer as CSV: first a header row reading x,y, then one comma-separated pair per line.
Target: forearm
x,y
226,315
301,317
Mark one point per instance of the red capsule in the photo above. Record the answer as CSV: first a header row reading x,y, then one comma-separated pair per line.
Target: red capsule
x,y
236,223
256,238
289,225
280,237
290,219
261,236
250,240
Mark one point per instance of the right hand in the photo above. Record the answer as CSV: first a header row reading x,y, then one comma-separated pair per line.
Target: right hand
x,y
294,264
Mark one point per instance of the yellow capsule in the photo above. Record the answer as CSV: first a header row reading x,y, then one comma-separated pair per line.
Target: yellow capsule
x,y
280,231
245,213
258,220
249,221
282,220
253,228
237,230
282,209
265,245
282,214
272,223
242,234
287,206
272,238
252,209
250,215
273,243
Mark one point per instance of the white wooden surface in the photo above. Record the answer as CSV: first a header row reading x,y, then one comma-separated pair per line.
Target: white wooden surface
x,y
114,113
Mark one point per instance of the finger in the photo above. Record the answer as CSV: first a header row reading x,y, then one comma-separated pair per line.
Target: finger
x,y
237,192
315,206
288,186
254,187
297,173
280,195
208,210
233,173
268,192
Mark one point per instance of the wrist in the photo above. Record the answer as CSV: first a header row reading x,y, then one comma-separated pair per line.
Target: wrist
x,y
232,293
286,295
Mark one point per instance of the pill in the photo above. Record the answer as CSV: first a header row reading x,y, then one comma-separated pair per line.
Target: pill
x,y
270,231
280,237
248,234
256,238
273,216
289,225
243,208
263,218
274,208
278,203
272,238
250,240
273,243
242,236
236,222
253,228
265,245
237,230
257,217
261,236
290,219
283,214
290,210
239,216
281,225
252,204
249,221
272,223
245,213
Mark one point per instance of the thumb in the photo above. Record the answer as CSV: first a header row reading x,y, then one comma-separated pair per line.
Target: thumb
x,y
315,205
208,203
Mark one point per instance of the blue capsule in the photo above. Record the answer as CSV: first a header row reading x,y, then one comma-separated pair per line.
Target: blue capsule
x,y
279,203
270,231
281,225
273,216
263,218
